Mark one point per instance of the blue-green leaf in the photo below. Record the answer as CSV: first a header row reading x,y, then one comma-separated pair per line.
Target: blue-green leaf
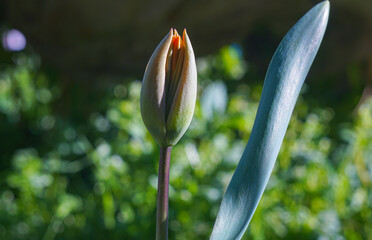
x,y
284,79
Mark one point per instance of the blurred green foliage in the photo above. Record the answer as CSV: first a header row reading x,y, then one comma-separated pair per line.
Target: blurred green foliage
x,y
95,177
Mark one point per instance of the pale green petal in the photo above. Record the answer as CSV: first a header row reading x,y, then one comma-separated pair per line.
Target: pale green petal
x,y
152,91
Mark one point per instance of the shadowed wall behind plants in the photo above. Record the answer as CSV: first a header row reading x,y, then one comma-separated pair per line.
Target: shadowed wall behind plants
x,y
100,37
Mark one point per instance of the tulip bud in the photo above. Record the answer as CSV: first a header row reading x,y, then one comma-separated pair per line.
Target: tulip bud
x,y
168,93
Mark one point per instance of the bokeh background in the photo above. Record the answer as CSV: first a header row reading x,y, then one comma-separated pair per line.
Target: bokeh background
x,y
76,161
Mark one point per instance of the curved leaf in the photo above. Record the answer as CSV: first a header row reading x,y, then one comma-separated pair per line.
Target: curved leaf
x,y
284,79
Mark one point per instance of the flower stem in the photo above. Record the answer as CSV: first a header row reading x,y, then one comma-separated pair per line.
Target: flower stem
x,y
163,194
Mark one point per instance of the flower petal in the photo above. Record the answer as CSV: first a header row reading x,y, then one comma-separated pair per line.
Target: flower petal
x,y
182,109
152,91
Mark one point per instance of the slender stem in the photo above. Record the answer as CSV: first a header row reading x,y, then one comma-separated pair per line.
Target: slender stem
x,y
163,194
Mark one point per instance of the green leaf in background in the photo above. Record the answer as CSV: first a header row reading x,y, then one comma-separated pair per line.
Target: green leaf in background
x,y
283,82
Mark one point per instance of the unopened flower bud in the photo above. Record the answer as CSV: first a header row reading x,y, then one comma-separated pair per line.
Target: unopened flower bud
x,y
168,91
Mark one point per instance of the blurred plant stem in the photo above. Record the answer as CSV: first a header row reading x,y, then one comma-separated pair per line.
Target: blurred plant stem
x,y
163,194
